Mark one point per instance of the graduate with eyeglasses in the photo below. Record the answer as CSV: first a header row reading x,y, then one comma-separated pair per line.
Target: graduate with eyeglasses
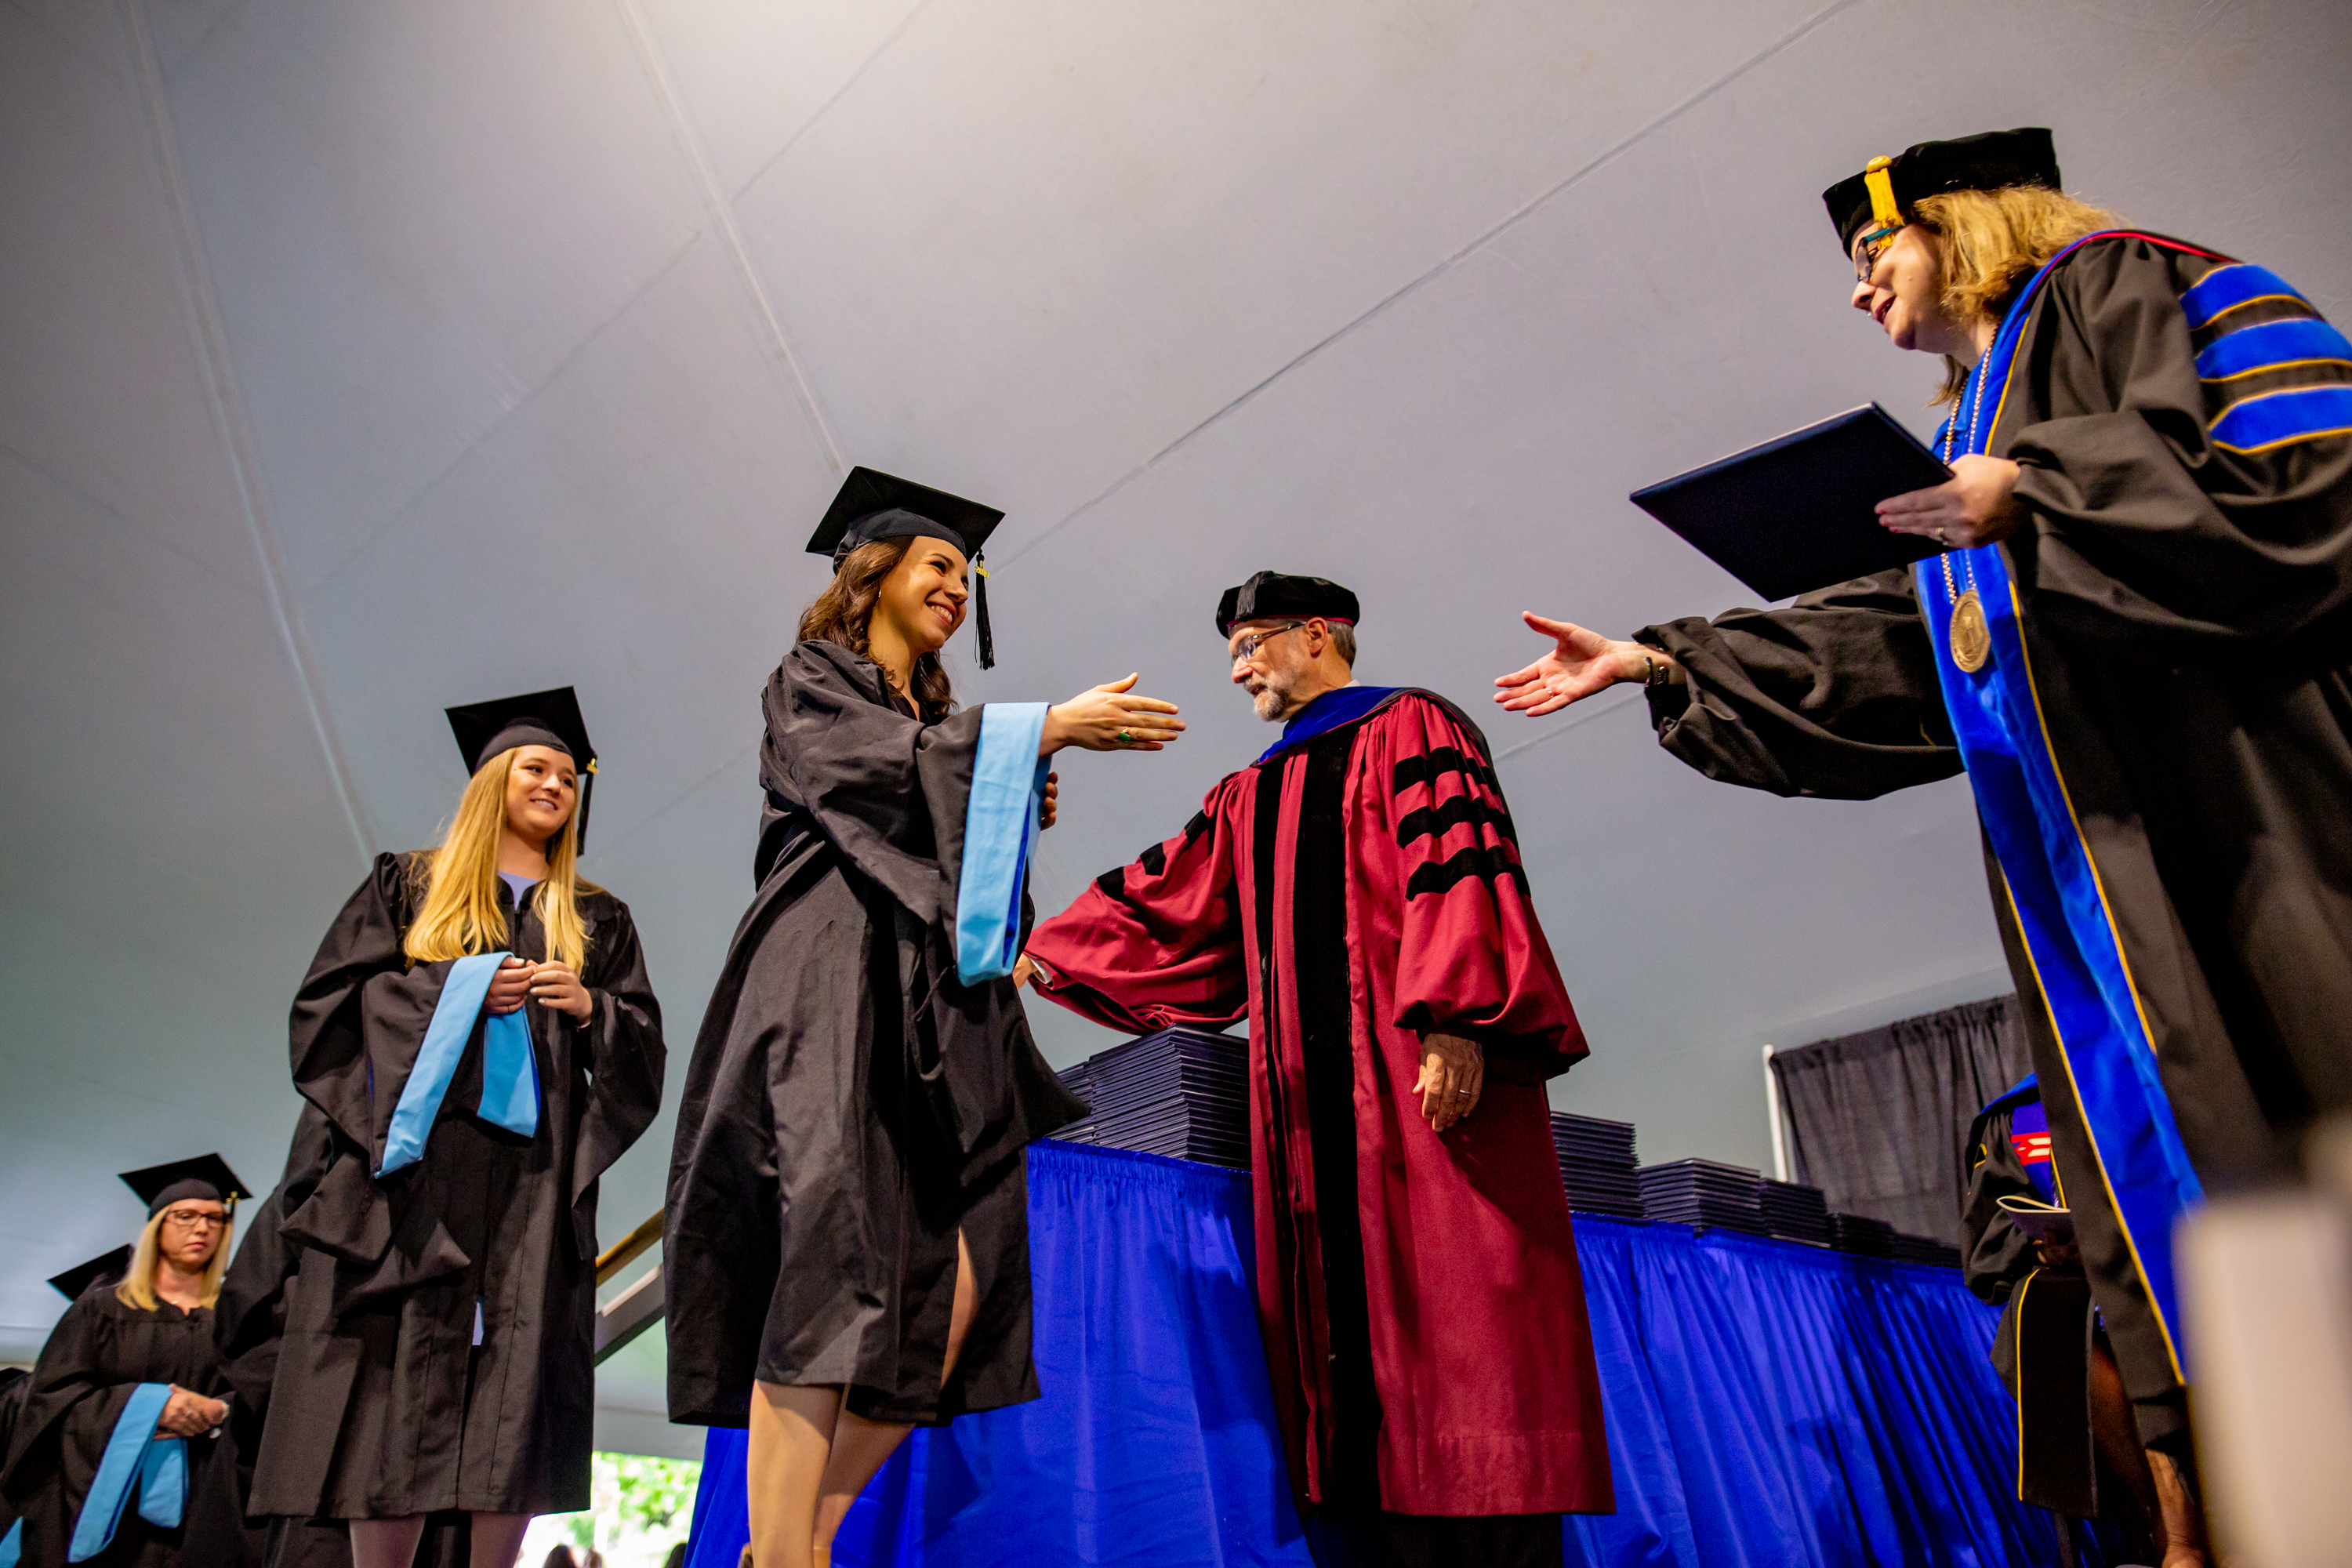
x,y
2136,637
480,1040
845,1249
113,1444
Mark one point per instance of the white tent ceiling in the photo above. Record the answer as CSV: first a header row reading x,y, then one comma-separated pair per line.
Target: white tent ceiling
x,y
358,359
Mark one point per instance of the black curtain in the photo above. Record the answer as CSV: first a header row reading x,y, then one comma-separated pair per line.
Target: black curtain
x,y
1875,1119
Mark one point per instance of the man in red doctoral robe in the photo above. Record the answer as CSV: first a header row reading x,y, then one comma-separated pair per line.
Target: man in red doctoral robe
x,y
1357,893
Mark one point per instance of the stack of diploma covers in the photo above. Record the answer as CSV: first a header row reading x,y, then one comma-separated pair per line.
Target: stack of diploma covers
x,y
1707,1194
1909,1248
1596,1164
1183,1093
1794,1213
1861,1235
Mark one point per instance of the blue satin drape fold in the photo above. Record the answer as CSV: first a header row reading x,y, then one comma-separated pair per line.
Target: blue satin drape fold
x,y
1767,1405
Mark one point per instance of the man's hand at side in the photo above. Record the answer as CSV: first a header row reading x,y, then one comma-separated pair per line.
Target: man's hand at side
x,y
1452,1075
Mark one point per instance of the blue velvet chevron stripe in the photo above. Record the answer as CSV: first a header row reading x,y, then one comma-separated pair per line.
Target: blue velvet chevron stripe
x,y
2225,289
137,1457
2280,418
2052,882
1000,829
2273,345
509,1071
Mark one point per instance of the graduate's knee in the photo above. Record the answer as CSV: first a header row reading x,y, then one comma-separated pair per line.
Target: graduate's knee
x,y
965,1307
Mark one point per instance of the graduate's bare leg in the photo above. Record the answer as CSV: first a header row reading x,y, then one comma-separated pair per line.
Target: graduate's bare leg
x,y
386,1542
2184,1527
790,1437
859,1446
496,1539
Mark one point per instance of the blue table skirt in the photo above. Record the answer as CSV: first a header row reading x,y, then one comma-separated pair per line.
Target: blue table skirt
x,y
1769,1405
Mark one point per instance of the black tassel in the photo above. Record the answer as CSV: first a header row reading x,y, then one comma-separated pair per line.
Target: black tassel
x,y
587,783
980,611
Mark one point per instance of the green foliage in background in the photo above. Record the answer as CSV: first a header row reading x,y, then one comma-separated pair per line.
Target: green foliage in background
x,y
637,1507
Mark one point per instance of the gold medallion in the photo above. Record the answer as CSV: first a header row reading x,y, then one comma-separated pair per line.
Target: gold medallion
x,y
1971,639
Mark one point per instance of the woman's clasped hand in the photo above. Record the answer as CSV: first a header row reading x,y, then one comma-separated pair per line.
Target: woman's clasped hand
x,y
554,985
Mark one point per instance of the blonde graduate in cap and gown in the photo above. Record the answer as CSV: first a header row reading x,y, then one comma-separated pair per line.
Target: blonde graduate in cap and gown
x,y
479,1033
117,1426
846,1245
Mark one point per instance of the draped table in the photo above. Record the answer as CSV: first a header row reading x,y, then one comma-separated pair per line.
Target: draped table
x,y
1769,1405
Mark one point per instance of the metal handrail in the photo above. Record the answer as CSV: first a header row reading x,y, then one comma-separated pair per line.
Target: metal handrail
x,y
629,1248
639,1306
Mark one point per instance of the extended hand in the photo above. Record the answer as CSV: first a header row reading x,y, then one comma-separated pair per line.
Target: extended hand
x,y
508,986
1023,972
1452,1075
1110,719
1047,810
1976,506
1580,663
557,986
190,1415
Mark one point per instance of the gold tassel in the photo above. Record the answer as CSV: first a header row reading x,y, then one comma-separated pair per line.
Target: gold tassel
x,y
1880,184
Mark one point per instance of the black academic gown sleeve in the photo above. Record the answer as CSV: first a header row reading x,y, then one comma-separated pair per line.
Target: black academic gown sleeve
x,y
2146,535
1995,1255
1834,697
622,1047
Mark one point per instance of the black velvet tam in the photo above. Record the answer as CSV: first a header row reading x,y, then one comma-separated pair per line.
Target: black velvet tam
x,y
1272,595
2025,156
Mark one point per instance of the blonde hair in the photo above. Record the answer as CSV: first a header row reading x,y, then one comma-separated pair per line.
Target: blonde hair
x,y
458,912
138,1287
1992,241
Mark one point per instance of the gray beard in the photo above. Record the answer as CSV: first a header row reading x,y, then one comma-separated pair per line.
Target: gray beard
x,y
1273,703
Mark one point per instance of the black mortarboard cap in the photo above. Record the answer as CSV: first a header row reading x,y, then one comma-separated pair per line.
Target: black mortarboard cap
x,y
872,505
1270,596
549,718
206,1176
2025,156
106,1266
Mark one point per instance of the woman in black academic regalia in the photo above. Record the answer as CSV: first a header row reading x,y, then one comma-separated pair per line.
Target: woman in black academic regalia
x,y
112,1442
2133,628
478,1032
847,1243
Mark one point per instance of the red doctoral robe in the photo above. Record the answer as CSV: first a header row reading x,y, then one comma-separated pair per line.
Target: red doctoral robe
x,y
1422,1312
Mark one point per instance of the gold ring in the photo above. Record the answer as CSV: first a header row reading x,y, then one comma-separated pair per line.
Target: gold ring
x,y
1124,736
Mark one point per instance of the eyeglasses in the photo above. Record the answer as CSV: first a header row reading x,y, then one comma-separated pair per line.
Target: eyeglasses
x,y
1868,249
1246,649
189,1219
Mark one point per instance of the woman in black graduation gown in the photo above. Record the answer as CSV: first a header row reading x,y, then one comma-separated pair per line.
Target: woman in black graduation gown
x,y
2137,642
480,1038
846,1227
126,1361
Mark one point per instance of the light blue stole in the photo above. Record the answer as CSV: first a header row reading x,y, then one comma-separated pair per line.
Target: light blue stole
x,y
509,1071
1000,829
135,1453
